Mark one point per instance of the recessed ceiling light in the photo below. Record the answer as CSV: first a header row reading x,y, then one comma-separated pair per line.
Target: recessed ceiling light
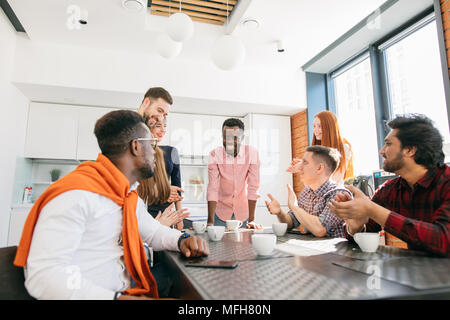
x,y
250,23
133,5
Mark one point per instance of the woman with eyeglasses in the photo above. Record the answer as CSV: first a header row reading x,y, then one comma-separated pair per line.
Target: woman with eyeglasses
x,y
161,192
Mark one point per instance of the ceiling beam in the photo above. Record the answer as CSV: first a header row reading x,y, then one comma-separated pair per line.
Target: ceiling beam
x,y
9,12
166,14
210,4
227,1
236,15
190,7
189,13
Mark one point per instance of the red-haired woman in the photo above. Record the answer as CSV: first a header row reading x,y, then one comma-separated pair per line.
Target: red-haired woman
x,y
326,133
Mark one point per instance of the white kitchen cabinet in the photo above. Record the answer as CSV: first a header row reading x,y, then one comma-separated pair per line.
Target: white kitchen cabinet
x,y
194,134
271,136
269,133
273,176
180,134
187,133
194,183
62,132
87,145
52,131
17,220
213,136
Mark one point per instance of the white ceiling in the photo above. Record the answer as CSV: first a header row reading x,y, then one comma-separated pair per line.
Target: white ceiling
x,y
376,27
305,26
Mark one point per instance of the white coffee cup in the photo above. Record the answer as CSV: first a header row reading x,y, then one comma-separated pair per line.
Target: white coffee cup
x,y
233,224
199,226
264,243
367,241
279,228
215,233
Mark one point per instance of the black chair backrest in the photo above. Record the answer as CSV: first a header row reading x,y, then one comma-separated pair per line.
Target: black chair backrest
x,y
12,279
363,184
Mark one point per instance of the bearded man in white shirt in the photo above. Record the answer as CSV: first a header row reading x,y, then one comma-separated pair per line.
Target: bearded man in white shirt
x,y
83,239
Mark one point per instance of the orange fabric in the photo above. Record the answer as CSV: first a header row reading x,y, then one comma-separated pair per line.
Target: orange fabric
x,y
101,177
393,241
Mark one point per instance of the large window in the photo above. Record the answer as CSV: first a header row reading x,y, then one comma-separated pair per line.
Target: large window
x,y
415,77
355,112
415,84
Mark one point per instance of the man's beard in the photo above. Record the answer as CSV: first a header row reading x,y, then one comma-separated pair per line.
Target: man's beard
x,y
149,121
393,165
146,172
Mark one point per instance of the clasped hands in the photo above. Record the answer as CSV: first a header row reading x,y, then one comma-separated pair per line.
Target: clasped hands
x,y
354,211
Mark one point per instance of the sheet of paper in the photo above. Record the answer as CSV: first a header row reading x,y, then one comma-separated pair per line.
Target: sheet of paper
x,y
263,230
309,247
239,230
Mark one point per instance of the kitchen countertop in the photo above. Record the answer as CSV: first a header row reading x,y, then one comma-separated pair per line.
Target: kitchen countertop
x,y
21,205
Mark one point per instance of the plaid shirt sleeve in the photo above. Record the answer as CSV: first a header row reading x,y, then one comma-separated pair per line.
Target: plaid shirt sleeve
x,y
295,222
379,195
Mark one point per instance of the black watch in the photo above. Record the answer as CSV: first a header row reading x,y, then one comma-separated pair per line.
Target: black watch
x,y
183,236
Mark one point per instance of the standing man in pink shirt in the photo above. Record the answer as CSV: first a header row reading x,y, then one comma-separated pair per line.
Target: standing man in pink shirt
x,y
233,172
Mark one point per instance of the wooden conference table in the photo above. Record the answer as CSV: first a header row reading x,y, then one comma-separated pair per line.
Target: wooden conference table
x,y
347,273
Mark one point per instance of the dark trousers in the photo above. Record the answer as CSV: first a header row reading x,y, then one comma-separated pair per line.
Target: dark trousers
x,y
162,277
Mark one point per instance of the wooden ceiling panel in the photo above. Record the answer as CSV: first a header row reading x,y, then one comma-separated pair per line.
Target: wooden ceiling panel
x,y
214,12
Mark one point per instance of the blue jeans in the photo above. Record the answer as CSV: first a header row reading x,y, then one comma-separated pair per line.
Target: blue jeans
x,y
219,222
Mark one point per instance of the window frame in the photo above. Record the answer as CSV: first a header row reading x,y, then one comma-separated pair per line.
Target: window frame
x,y
380,80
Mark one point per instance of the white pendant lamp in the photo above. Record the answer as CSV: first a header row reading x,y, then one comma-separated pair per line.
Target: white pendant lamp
x,y
180,26
166,47
134,5
228,51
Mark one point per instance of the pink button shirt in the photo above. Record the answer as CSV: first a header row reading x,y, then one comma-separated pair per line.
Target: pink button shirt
x,y
233,181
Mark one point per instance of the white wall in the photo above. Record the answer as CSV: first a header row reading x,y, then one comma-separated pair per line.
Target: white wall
x,y
13,110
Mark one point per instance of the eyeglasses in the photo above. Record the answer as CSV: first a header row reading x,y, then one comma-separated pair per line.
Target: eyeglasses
x,y
153,141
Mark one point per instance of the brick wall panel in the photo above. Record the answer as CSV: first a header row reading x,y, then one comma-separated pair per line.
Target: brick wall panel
x,y
445,9
299,142
445,6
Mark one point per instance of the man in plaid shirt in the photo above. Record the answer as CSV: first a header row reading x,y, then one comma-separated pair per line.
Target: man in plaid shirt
x,y
414,207
310,210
